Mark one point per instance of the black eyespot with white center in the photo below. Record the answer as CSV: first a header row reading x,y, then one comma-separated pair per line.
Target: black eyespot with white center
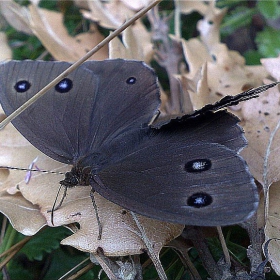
x,y
199,200
22,86
64,86
198,165
131,81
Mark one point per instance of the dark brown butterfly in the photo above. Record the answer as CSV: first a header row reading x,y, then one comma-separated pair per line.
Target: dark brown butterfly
x,y
189,171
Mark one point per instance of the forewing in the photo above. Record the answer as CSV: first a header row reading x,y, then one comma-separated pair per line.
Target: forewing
x,y
100,106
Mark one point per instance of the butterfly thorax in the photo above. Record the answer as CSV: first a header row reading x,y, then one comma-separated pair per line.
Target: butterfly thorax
x,y
77,177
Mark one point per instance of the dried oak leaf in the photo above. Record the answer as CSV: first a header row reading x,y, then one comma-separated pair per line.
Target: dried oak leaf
x,y
136,40
261,117
119,232
272,66
133,5
48,27
107,14
272,230
214,70
5,50
16,15
187,7
135,44
23,215
120,235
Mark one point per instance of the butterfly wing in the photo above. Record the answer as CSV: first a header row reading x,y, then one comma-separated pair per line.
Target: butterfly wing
x,y
186,173
101,101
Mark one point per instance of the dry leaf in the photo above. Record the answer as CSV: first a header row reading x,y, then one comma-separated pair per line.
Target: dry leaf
x,y
226,72
191,49
5,50
120,235
272,227
16,15
23,215
107,14
119,232
197,90
187,7
136,39
136,44
48,27
136,4
209,26
261,120
272,66
14,149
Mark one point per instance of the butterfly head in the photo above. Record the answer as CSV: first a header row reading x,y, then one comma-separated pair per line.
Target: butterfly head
x,y
76,177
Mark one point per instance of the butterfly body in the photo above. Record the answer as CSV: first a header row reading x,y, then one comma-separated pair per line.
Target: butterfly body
x,y
186,172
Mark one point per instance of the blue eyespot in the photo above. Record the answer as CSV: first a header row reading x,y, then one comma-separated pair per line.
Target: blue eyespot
x,y
199,200
64,86
131,80
198,165
22,86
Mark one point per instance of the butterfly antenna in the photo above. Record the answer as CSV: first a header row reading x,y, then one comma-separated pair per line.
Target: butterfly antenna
x,y
28,169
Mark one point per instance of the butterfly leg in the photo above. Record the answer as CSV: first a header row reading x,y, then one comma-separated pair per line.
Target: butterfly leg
x,y
60,203
96,214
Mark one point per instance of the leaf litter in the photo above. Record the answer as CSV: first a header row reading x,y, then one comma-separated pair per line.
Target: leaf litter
x,y
214,71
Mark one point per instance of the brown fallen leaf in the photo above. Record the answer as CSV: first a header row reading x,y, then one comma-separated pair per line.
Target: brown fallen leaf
x,y
107,14
16,150
16,15
49,28
136,40
187,7
272,66
120,235
272,230
261,124
5,50
131,46
214,70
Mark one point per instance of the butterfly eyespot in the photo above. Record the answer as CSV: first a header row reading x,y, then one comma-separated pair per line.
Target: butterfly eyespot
x,y
22,86
199,200
131,80
198,165
64,86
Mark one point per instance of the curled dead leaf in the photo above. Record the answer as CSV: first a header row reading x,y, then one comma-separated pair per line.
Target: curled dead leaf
x,y
136,44
261,124
272,227
5,50
16,15
49,28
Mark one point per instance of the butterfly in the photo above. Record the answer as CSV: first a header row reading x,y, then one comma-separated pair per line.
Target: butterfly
x,y
185,171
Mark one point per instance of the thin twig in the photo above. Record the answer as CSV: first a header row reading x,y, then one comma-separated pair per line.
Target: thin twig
x,y
107,265
267,184
72,274
224,246
13,250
